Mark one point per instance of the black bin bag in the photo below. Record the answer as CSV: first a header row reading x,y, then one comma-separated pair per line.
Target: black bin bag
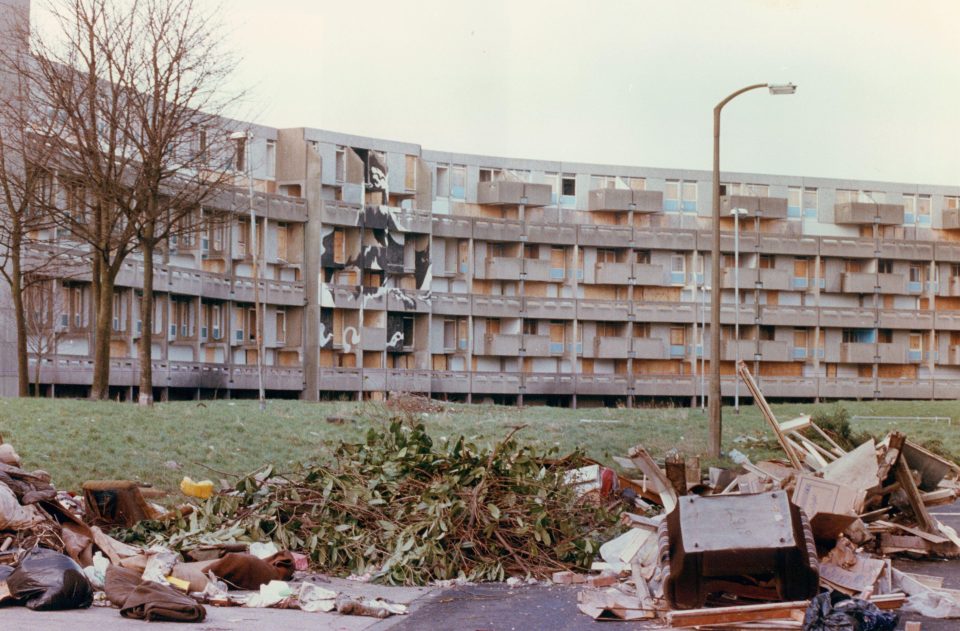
x,y
46,580
833,611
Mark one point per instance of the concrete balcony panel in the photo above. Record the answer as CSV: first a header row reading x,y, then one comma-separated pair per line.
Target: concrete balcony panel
x,y
857,353
343,297
846,388
907,250
340,379
500,345
728,313
790,245
603,385
665,385
679,312
847,317
550,308
649,348
408,300
281,292
542,270
505,193
905,319
763,207
892,353
610,347
951,287
549,383
604,236
625,200
612,273
649,274
449,381
728,244
952,356
500,268
554,234
340,214
398,380
603,310
950,219
676,240
496,306
748,348
947,320
775,279
892,283
787,387
451,304
867,213
847,247
496,383
906,388
536,345
497,230
946,388
780,315
947,252
452,227
858,282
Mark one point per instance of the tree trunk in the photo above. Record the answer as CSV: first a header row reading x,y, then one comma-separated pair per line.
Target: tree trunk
x,y
144,350
100,388
20,319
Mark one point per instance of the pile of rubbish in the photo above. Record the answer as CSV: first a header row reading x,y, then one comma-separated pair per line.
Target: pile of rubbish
x,y
803,542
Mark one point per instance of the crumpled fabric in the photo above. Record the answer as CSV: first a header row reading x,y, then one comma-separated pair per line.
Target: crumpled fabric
x,y
146,600
834,611
245,571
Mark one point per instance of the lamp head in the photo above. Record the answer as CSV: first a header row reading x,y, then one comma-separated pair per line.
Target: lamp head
x,y
781,88
739,212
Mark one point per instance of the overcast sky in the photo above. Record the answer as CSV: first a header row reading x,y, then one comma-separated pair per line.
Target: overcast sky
x,y
620,82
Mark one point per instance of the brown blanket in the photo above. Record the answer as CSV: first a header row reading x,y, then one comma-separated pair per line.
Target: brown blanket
x,y
245,571
146,600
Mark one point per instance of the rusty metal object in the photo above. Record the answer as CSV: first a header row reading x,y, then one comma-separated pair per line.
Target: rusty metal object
x,y
758,547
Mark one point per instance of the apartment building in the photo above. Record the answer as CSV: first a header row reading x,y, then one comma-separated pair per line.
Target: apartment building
x,y
389,268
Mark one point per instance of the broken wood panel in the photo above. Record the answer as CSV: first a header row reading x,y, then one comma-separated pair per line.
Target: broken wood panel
x,y
744,613
768,414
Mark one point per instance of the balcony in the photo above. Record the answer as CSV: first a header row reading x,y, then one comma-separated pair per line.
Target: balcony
x,y
762,207
340,379
497,230
906,388
847,317
857,353
504,193
340,213
610,348
892,283
867,213
500,345
780,315
676,240
891,353
496,306
953,356
679,312
501,268
542,270
649,348
603,310
847,247
905,319
452,227
951,219
553,234
790,245
603,384
649,274
858,282
768,278
612,273
373,338
536,345
847,388
952,286
624,200
592,235
550,308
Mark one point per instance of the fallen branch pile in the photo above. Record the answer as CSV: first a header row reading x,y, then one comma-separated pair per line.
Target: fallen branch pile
x,y
403,510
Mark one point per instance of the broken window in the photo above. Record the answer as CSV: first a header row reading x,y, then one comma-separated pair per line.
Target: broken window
x,y
568,185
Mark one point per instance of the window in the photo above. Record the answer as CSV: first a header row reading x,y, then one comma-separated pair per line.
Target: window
x,y
529,327
602,181
885,266
606,255
443,182
531,251
689,200
490,175
641,329
410,178
251,324
341,164
240,154
852,266
215,321
810,202
568,190
923,210
845,196
680,196
202,149
281,326
766,261
678,269
77,307
282,241
794,202
643,256
458,182
909,209
271,158
951,203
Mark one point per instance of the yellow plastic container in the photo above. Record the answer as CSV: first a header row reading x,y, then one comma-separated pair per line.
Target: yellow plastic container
x,y
202,490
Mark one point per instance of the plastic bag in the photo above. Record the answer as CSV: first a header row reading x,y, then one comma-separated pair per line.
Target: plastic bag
x,y
13,516
933,604
48,580
833,611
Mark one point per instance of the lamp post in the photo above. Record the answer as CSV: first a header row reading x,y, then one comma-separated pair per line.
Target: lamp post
x,y
736,212
247,137
714,400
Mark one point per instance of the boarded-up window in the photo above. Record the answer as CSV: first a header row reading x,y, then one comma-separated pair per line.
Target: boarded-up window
x,y
801,267
339,247
557,330
677,336
282,241
410,181
281,326
800,338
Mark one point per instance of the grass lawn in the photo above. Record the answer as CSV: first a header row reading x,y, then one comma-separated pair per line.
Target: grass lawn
x,y
80,440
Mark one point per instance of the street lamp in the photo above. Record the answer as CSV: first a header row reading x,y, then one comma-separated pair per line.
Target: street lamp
x,y
715,400
736,212
247,137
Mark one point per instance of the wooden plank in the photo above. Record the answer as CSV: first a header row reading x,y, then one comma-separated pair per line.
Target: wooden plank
x,y
744,613
932,538
905,478
857,469
809,444
676,470
641,460
795,425
837,448
768,414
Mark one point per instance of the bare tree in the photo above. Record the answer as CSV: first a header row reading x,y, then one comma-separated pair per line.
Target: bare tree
x,y
176,97
130,88
43,312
